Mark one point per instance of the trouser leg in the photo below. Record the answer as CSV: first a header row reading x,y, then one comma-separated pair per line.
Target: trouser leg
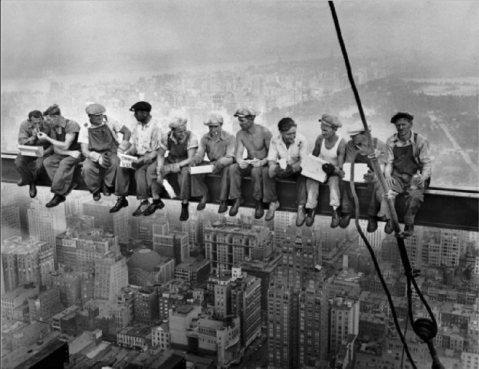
x,y
198,185
236,175
152,181
141,181
312,190
122,181
92,175
334,195
225,184
63,178
24,168
184,179
374,200
110,172
300,189
269,187
414,199
346,198
257,178
51,164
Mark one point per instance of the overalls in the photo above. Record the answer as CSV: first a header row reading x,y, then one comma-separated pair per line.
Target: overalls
x,y
100,140
178,151
405,167
61,168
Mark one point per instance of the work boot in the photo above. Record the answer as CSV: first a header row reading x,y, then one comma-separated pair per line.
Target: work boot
x,y
96,196
272,208
408,230
184,212
234,209
223,207
33,190
141,208
106,191
389,228
310,214
372,224
300,216
57,200
121,202
335,219
258,210
202,203
157,204
344,221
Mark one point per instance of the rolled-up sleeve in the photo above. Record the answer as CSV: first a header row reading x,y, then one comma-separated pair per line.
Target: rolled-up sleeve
x,y
201,151
390,153
303,149
23,134
192,142
230,146
156,137
83,135
273,151
425,158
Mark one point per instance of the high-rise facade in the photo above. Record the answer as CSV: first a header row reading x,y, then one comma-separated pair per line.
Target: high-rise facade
x,y
111,275
229,244
344,321
45,224
172,244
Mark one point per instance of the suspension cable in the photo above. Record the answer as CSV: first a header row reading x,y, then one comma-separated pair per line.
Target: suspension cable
x,y
426,329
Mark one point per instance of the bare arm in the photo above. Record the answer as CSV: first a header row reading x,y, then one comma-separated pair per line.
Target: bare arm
x,y
92,155
187,161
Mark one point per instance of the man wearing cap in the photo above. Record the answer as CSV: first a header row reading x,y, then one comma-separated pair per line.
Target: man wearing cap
x,y
219,147
30,167
330,148
408,169
145,141
358,151
255,139
99,142
61,165
181,145
284,161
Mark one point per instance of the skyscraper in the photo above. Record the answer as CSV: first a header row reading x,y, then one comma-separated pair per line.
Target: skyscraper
x,y
116,223
111,275
344,321
45,224
172,244
228,244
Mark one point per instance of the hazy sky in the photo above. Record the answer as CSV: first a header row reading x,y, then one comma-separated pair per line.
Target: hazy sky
x,y
79,36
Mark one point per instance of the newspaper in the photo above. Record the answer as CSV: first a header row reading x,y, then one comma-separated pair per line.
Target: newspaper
x,y
360,169
312,167
26,150
202,169
126,160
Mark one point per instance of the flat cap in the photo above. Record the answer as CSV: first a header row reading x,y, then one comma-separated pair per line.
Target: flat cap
x,y
141,106
245,112
177,122
402,115
356,128
52,110
330,120
95,109
214,120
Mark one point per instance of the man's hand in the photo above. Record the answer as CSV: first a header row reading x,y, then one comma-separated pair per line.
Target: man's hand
x,y
272,170
296,167
137,163
374,155
175,168
243,164
256,163
340,172
104,160
74,154
42,136
123,146
30,140
369,176
389,180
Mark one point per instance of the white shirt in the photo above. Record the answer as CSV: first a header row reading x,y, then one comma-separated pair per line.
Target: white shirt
x,y
292,154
